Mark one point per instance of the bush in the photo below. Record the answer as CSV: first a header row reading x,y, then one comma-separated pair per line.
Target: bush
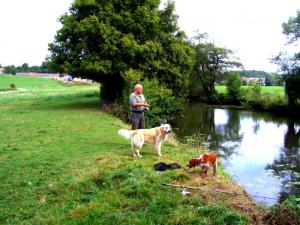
x,y
13,86
252,96
274,102
163,104
233,84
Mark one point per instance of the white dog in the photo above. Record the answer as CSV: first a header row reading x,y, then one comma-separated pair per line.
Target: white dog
x,y
154,136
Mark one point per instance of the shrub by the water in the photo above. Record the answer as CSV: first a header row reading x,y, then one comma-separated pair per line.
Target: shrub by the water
x,y
163,104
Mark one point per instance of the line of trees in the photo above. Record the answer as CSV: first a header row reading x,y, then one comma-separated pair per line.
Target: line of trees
x,y
119,43
271,79
11,69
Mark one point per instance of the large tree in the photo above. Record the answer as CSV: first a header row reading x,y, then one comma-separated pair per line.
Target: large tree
x,y
211,62
104,40
290,63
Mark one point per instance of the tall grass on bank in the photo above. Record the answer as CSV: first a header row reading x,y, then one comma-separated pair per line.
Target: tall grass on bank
x,y
266,98
63,163
265,89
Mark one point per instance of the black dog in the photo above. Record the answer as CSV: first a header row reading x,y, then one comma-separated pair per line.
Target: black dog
x,y
161,166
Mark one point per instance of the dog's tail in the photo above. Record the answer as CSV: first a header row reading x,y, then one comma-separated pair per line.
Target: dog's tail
x,y
124,133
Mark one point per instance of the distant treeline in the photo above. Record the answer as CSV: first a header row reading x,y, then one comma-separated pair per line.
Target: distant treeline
x,y
270,79
11,69
254,73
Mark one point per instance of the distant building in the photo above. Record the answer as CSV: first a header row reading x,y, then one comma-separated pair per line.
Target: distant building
x,y
254,80
1,70
32,74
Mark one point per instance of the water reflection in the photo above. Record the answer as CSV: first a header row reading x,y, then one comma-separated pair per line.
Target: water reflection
x,y
260,152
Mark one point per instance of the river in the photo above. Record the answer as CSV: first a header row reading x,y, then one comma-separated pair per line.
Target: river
x,y
260,151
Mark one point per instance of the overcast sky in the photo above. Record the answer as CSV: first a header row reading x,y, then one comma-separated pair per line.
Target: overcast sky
x,y
251,28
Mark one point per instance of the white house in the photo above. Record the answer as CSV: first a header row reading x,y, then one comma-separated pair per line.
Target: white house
x,y
1,70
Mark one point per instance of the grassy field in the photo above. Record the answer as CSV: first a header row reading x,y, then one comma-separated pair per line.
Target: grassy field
x,y
27,82
62,162
265,89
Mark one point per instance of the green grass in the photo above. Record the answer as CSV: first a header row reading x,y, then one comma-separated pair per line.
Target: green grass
x,y
27,82
62,162
221,89
265,89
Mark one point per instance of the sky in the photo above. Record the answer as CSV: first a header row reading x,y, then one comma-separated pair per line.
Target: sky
x,y
251,28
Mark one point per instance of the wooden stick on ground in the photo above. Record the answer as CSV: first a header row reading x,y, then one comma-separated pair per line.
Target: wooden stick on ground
x,y
213,190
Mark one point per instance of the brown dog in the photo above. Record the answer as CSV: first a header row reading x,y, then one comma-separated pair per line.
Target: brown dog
x,y
205,161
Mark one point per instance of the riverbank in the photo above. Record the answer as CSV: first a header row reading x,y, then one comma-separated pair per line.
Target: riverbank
x,y
258,98
268,106
62,162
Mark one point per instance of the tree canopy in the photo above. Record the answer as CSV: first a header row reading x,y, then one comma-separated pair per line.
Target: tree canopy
x,y
211,62
107,40
292,28
290,64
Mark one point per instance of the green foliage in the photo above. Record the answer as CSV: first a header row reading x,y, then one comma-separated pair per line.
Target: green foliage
x,y
268,98
103,40
271,79
274,102
291,28
11,69
13,86
253,73
252,96
210,62
233,86
293,203
164,105
274,79
131,77
194,141
289,64
292,89
226,217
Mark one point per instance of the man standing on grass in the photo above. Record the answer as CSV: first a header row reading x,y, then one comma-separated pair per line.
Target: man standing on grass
x,y
138,105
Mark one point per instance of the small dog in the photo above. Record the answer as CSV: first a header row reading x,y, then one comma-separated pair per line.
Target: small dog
x,y
156,136
205,161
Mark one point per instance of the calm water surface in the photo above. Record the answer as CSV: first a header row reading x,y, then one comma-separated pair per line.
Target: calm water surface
x,y
260,151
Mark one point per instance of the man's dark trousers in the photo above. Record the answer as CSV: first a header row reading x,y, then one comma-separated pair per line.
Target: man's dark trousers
x,y
137,120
